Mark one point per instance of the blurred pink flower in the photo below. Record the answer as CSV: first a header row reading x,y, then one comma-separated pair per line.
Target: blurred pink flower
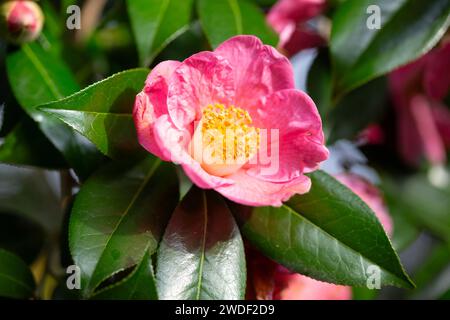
x,y
370,195
294,286
271,281
186,110
423,121
289,17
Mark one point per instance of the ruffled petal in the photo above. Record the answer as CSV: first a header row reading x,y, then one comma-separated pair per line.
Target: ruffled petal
x,y
258,69
204,78
252,191
300,144
151,103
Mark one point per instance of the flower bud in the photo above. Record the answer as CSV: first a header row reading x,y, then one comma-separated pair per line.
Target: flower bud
x,y
20,20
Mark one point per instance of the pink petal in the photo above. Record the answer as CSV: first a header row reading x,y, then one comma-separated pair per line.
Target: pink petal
x,y
301,140
151,104
294,286
437,72
173,143
251,191
258,69
202,79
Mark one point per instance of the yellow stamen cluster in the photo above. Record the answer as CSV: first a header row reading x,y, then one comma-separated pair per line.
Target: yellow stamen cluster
x,y
230,131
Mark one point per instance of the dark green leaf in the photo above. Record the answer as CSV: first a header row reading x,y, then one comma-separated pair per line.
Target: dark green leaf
x,y
222,20
102,112
156,23
118,215
31,193
139,285
26,145
409,28
328,234
16,280
37,77
201,255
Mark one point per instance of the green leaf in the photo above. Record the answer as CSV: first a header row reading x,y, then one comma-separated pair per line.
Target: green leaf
x,y
31,193
38,77
26,145
328,234
201,255
119,215
156,23
102,112
16,280
222,20
139,285
409,28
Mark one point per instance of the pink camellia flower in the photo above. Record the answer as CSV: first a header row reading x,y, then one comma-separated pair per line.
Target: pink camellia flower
x,y
219,113
21,20
423,121
289,17
370,195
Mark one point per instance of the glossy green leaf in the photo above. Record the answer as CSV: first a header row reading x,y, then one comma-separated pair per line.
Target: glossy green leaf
x,y
139,285
26,145
102,112
328,234
156,23
37,77
119,215
409,28
16,280
222,20
201,255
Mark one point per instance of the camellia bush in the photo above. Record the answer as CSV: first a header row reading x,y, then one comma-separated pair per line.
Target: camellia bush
x,y
224,149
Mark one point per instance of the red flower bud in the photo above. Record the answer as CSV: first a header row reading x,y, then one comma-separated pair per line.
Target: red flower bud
x,y
20,20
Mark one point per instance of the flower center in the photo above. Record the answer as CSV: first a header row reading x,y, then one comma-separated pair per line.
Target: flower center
x,y
225,139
